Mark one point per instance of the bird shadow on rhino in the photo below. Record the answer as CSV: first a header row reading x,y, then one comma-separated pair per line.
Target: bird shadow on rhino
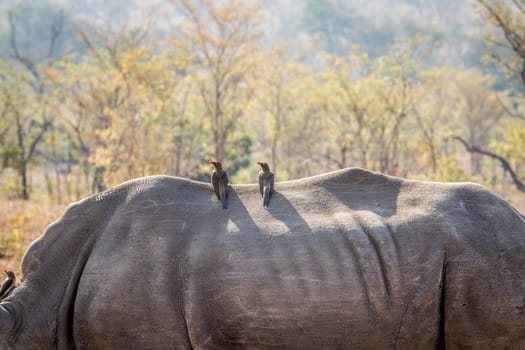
x,y
281,209
239,215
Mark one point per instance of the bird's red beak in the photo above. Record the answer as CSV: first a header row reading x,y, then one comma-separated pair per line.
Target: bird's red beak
x,y
212,162
259,163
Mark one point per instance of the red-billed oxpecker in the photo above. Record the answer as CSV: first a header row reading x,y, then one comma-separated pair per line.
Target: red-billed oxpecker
x,y
8,285
266,182
219,180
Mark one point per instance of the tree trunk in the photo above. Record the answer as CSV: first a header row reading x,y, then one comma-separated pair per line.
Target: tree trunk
x,y
22,161
343,150
23,174
274,155
433,157
98,180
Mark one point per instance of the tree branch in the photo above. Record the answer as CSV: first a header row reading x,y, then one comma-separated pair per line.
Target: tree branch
x,y
504,163
24,60
506,109
56,31
43,128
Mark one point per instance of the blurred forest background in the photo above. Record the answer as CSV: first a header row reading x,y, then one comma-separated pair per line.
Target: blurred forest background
x,y
93,93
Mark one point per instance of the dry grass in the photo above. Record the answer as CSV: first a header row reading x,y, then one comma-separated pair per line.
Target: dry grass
x,y
20,223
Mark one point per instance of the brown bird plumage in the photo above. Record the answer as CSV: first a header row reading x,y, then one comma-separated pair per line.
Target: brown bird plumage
x,y
219,181
266,182
8,284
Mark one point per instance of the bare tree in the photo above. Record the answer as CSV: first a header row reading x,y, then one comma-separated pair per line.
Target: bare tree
x,y
507,18
223,37
31,123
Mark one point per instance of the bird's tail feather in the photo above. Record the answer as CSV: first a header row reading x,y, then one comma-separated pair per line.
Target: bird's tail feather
x,y
222,193
266,196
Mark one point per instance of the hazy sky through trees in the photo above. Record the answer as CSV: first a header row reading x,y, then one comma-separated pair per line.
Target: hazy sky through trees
x,y
371,24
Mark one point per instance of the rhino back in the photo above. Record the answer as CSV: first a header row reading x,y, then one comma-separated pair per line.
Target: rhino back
x,y
348,259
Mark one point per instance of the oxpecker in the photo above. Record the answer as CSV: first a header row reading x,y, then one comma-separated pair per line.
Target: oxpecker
x,y
8,285
266,182
219,180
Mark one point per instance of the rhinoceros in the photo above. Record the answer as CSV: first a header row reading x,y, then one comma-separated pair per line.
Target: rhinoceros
x,y
345,260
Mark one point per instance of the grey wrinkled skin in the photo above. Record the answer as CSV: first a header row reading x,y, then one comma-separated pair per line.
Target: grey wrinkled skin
x,y
345,260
